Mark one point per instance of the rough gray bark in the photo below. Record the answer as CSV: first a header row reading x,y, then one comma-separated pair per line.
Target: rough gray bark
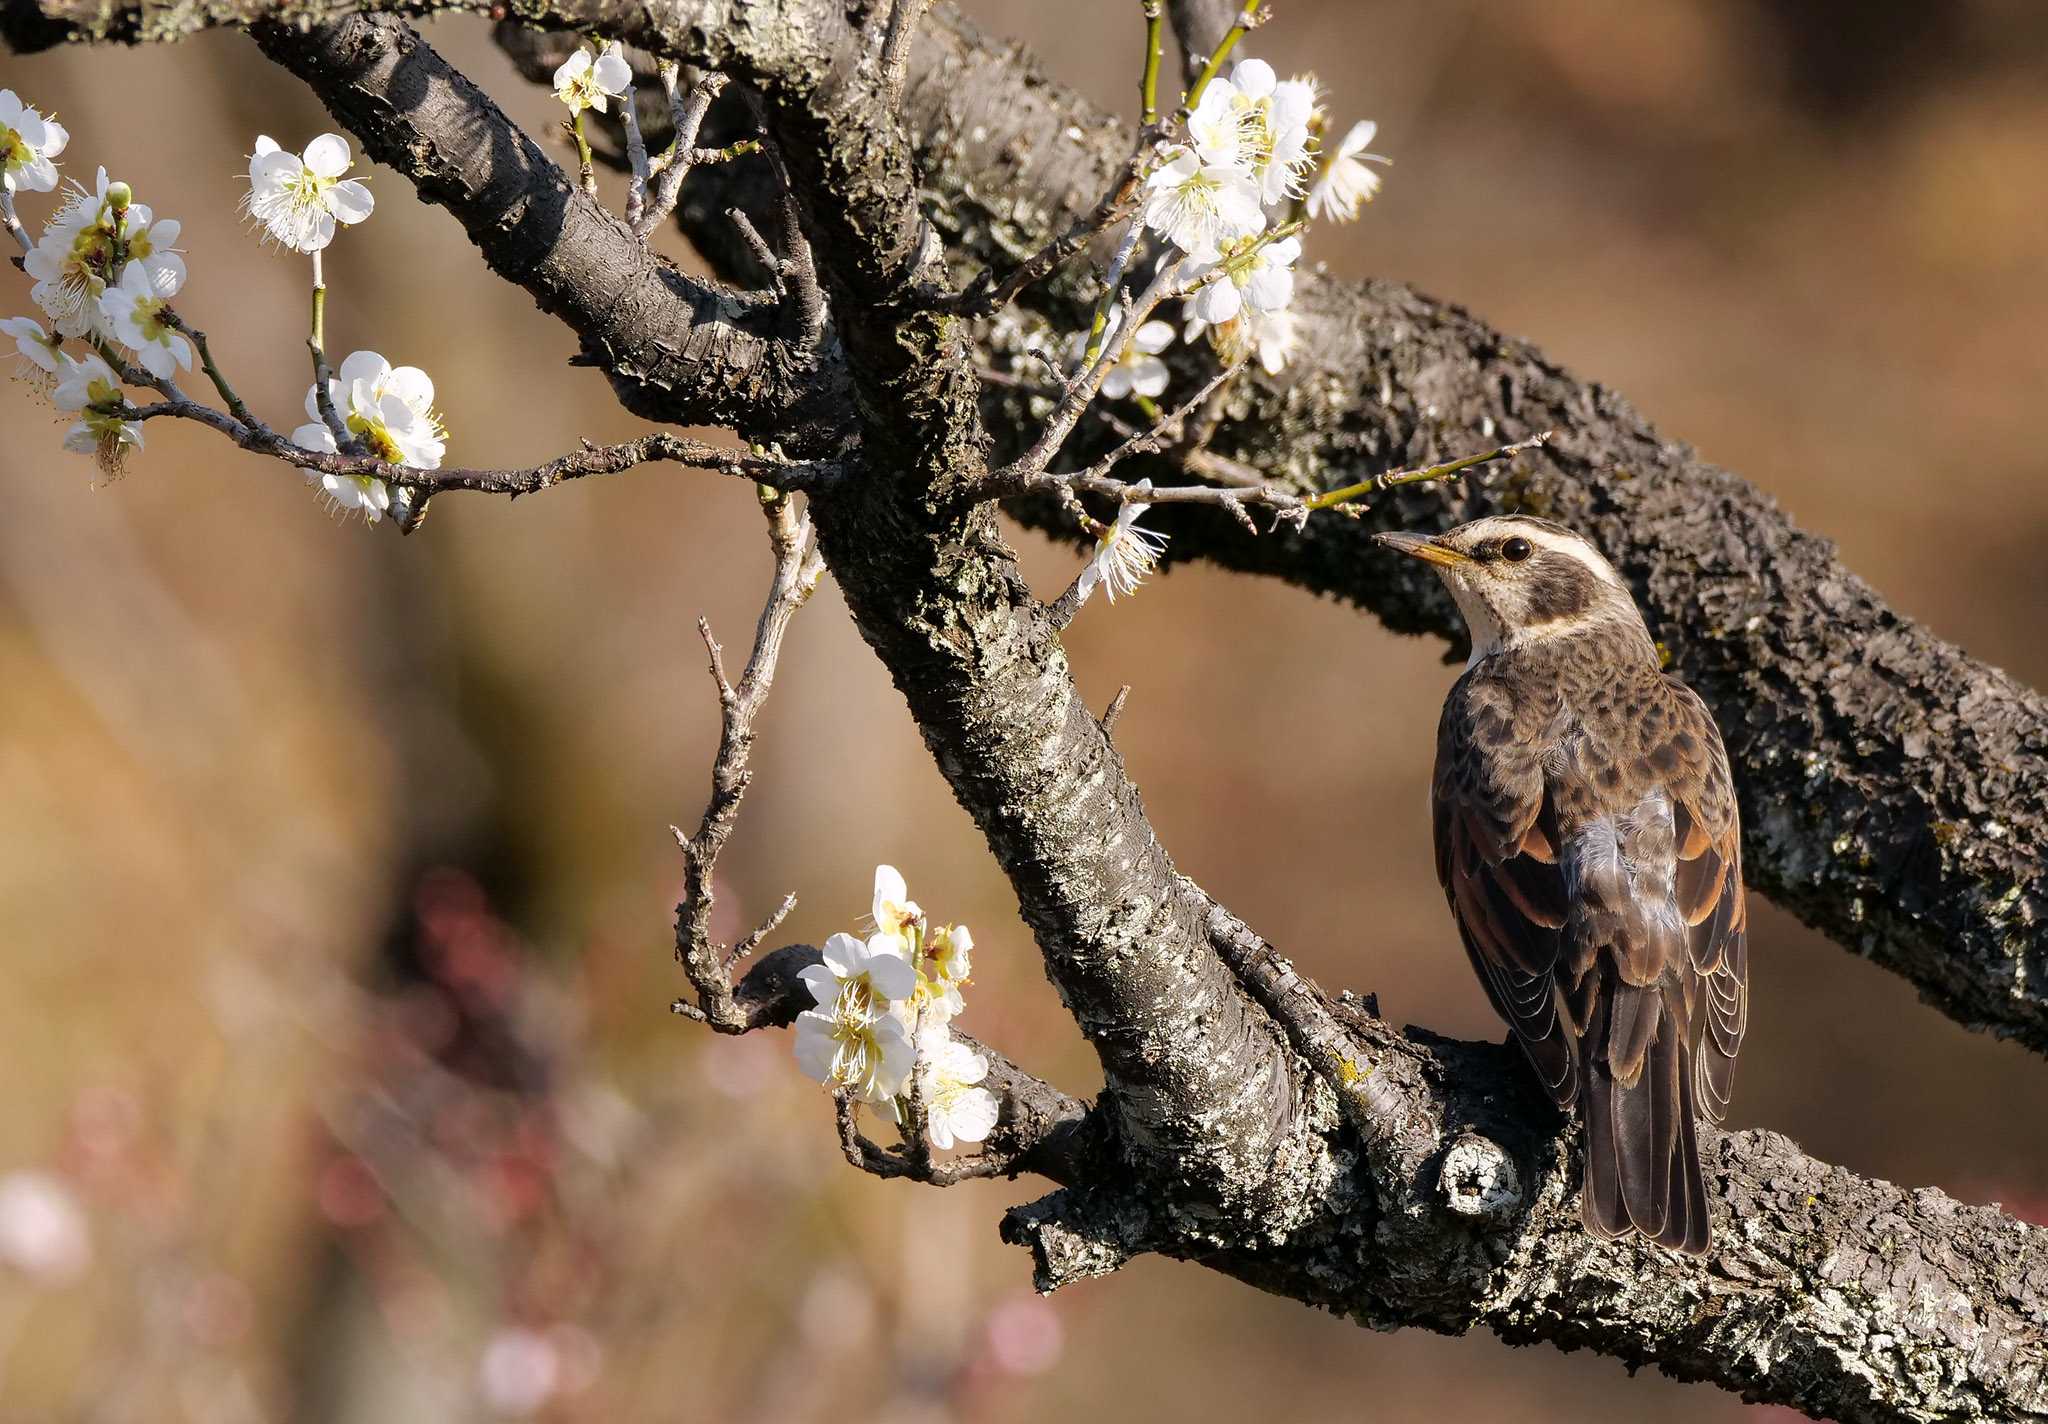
x,y
1302,1146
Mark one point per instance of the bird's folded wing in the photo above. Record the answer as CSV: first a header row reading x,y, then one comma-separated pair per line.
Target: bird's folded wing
x,y
1708,888
1497,857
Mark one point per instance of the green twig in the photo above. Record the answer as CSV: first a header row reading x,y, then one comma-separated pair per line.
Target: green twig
x,y
1155,31
237,407
1247,19
1378,484
588,169
323,374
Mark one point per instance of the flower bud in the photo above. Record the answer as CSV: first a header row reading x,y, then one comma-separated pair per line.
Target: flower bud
x,y
119,196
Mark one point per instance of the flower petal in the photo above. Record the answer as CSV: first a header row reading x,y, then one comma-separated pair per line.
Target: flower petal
x,y
893,976
366,367
845,954
1254,78
314,437
350,201
327,156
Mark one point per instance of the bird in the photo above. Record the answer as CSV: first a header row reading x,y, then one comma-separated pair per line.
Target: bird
x,y
1589,844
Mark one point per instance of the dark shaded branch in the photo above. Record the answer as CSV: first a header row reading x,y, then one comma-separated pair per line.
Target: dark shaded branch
x,y
675,348
1203,1089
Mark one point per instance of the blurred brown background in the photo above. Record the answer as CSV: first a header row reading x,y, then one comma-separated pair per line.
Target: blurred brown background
x,y
334,869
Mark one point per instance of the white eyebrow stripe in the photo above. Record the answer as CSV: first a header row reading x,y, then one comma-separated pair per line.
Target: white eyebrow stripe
x,y
1571,546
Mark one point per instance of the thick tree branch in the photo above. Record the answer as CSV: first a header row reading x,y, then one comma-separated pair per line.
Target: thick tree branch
x,y
1847,1298
1203,1089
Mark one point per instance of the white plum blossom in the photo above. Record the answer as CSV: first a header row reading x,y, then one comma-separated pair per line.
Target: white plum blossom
x,y
871,1059
28,143
1138,369
43,1233
856,1038
1344,182
299,198
134,311
897,916
860,979
1215,129
1274,335
941,970
1272,117
1125,554
90,388
587,81
951,951
84,248
40,353
949,1074
1252,276
391,410
1198,206
85,382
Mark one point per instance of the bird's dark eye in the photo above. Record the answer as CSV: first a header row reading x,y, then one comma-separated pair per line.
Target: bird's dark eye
x,y
1516,549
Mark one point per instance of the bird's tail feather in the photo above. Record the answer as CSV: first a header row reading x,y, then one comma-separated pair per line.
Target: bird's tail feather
x,y
1642,1154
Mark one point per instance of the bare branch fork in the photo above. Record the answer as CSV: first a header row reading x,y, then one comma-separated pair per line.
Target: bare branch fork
x,y
708,964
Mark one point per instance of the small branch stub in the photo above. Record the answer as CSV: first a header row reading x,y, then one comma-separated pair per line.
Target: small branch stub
x,y
1479,1179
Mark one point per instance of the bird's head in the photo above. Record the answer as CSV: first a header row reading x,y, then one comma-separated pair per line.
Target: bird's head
x,y
1520,580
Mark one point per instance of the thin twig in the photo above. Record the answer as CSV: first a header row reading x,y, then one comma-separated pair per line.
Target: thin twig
x,y
1148,85
879,1161
804,318
753,465
636,156
586,169
1234,498
1379,484
903,18
1247,19
1082,391
758,246
323,375
13,223
1112,283
706,963
237,407
1115,710
687,111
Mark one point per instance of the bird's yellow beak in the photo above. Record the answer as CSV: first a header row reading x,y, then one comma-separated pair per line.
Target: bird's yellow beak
x,y
1421,546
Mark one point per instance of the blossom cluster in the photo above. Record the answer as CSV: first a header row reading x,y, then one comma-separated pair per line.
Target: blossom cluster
x,y
883,1010
389,410
1229,204
1230,200
105,270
